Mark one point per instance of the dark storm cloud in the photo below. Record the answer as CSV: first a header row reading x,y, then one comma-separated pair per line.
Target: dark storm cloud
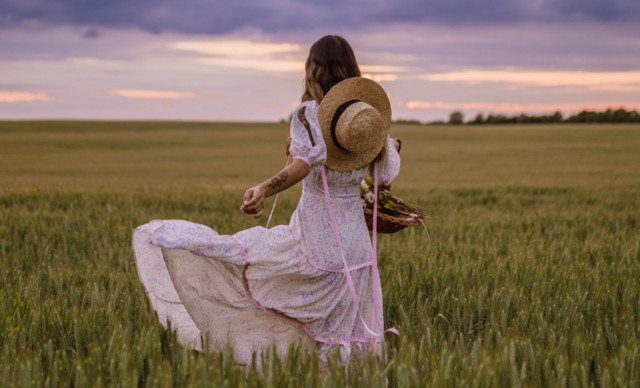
x,y
612,10
91,33
216,17
188,16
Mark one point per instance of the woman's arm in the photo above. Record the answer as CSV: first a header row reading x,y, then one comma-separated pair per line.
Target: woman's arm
x,y
254,197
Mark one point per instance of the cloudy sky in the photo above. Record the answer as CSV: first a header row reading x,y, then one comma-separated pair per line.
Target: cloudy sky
x,y
243,60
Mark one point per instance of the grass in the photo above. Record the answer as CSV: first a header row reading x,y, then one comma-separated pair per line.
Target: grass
x,y
531,276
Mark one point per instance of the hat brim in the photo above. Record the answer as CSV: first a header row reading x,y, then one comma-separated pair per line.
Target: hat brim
x,y
365,90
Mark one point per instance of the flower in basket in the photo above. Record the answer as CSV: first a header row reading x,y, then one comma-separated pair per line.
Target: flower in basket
x,y
387,202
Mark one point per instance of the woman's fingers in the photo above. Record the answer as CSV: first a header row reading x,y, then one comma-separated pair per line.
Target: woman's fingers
x,y
253,202
247,195
397,143
254,211
250,198
258,213
251,208
250,202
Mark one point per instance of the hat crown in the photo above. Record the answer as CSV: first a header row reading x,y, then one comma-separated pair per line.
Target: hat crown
x,y
355,117
357,126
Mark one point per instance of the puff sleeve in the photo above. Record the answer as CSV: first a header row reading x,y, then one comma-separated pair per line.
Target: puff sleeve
x,y
388,164
307,143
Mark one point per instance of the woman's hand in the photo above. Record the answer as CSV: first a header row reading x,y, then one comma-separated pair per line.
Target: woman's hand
x,y
397,143
253,201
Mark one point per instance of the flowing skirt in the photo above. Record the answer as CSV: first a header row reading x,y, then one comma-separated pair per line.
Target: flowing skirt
x,y
252,291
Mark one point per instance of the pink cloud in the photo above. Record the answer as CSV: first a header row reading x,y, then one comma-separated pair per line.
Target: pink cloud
x,y
153,94
611,80
380,77
519,108
10,96
382,69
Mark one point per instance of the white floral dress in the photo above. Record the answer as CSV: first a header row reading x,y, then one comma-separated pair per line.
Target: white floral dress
x,y
287,284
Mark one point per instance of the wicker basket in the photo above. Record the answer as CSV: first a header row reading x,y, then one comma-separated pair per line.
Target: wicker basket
x,y
388,223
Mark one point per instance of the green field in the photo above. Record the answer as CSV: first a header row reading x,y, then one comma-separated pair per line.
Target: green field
x,y
531,276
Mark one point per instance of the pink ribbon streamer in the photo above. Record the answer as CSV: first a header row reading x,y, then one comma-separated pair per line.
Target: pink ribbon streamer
x,y
275,201
374,253
334,224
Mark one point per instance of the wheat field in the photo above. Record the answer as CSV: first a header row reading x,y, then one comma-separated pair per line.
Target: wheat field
x,y
530,277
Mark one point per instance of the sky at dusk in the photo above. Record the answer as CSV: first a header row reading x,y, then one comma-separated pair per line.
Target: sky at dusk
x,y
243,60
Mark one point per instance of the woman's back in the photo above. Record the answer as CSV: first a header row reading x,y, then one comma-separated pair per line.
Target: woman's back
x,y
313,214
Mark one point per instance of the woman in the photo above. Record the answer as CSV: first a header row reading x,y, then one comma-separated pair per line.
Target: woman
x,y
313,282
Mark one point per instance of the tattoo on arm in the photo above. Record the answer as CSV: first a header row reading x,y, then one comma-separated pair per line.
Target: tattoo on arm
x,y
278,180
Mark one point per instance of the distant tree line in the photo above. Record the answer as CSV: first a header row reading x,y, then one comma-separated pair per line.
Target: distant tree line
x,y
519,119
608,116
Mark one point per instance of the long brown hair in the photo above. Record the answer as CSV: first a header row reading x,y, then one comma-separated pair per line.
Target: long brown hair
x,y
330,61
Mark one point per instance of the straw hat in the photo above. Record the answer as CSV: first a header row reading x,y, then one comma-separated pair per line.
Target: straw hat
x,y
355,116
